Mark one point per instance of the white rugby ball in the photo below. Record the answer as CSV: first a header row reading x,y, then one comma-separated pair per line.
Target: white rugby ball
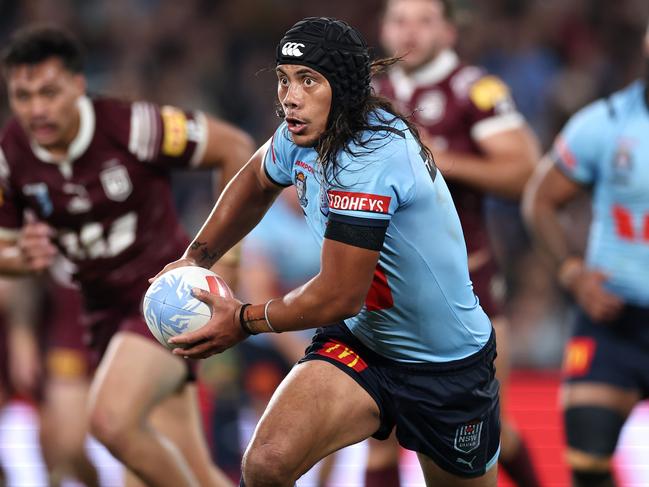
x,y
170,309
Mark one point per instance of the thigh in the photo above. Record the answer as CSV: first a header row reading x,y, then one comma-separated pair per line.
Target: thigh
x,y
435,476
316,410
134,375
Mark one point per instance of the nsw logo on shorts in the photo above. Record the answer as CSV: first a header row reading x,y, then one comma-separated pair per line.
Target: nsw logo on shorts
x,y
467,437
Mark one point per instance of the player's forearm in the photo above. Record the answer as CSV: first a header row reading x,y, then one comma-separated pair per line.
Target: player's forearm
x,y
240,207
504,177
12,261
542,219
316,303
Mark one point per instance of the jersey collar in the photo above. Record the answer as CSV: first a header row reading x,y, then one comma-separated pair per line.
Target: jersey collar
x,y
80,143
431,73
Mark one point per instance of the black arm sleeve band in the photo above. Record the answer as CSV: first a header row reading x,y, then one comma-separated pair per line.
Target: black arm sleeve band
x,y
272,180
358,234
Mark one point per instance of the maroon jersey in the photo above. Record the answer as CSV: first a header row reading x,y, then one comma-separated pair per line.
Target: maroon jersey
x,y
454,106
110,200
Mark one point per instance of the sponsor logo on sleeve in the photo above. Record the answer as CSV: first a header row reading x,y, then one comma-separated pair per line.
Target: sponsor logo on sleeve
x,y
174,129
490,93
373,203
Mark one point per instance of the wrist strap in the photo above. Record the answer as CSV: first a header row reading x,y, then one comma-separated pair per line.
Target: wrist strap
x,y
242,321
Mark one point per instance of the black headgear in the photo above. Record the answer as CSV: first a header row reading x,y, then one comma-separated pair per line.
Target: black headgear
x,y
334,49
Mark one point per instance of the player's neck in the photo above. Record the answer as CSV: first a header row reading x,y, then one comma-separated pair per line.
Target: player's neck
x,y
62,148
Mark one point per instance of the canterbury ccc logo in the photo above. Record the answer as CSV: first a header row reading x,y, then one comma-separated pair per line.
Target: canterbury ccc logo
x,y
292,49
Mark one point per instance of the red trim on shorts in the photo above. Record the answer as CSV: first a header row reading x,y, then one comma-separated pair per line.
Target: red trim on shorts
x,y
579,356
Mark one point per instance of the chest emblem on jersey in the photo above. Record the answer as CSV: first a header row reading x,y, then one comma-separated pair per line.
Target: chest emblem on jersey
x,y
467,437
622,164
116,183
41,194
431,107
300,188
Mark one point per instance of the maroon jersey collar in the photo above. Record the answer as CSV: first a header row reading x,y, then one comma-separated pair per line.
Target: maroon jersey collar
x,y
431,73
80,143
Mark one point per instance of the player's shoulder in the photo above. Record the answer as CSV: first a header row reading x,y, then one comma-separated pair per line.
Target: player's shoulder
x,y
598,115
478,86
13,141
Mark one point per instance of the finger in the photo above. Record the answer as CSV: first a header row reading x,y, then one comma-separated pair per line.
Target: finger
x,y
200,350
191,338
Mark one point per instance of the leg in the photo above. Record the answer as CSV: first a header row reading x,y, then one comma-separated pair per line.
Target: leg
x,y
382,468
434,476
135,376
514,456
590,450
63,431
317,410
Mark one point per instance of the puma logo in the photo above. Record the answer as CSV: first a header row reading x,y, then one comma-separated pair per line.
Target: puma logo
x,y
469,462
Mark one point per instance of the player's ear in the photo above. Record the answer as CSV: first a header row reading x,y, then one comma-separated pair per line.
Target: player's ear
x,y
450,34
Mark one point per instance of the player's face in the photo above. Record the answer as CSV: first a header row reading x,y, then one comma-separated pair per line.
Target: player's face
x,y
43,98
416,30
305,96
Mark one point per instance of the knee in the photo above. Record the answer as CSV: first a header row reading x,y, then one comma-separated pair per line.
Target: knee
x,y
267,466
111,430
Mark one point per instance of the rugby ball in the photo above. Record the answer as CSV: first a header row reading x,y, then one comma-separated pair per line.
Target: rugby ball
x,y
169,308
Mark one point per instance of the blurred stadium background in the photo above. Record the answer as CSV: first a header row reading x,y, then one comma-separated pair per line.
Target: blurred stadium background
x,y
217,55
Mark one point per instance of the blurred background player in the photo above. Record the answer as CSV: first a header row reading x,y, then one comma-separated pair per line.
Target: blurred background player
x,y
96,174
481,144
49,364
605,148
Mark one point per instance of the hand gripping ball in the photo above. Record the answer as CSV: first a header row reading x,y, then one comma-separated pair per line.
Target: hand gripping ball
x,y
169,307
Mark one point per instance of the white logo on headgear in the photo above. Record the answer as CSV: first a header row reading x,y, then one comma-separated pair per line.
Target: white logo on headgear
x,y
292,49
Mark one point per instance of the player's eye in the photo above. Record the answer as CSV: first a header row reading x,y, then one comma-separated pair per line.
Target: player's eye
x,y
21,96
49,92
309,81
283,81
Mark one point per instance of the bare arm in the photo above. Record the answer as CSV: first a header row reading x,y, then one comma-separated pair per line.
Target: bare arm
x,y
242,204
227,148
506,164
332,295
546,193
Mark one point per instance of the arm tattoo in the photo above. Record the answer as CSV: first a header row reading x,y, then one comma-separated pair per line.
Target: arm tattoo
x,y
204,256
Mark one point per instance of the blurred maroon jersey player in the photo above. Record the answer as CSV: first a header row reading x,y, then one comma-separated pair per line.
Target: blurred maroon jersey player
x,y
110,203
480,142
96,173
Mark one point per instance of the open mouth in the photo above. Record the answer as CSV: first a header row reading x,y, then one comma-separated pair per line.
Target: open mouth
x,y
295,125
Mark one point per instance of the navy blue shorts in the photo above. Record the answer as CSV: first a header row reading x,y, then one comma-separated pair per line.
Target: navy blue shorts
x,y
446,411
615,353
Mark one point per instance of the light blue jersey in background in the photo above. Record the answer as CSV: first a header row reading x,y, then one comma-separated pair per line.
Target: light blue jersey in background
x,y
606,146
421,306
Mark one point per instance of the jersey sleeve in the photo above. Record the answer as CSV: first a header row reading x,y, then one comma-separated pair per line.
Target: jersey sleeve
x,y
491,108
11,210
277,161
576,150
372,184
167,135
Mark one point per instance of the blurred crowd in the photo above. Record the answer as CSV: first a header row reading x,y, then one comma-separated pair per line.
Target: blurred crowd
x,y
218,56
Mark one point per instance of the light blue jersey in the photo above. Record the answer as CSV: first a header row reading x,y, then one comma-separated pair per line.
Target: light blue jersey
x,y
606,146
421,306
